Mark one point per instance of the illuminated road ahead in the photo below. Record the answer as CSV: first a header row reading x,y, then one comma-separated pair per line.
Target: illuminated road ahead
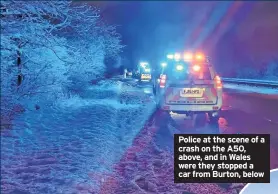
x,y
110,141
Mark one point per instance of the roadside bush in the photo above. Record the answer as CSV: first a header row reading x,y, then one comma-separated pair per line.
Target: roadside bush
x,y
48,47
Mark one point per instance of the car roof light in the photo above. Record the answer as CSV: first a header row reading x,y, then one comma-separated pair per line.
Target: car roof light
x,y
177,56
179,67
199,56
170,56
196,67
163,64
188,56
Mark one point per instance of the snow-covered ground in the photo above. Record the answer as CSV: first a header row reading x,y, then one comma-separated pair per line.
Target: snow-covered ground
x,y
98,142
246,88
56,149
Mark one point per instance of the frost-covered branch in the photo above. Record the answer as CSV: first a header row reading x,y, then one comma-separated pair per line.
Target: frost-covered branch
x,y
47,44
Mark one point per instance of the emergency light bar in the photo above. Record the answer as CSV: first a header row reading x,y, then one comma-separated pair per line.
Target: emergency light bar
x,y
196,68
163,64
199,56
177,56
179,67
188,57
170,56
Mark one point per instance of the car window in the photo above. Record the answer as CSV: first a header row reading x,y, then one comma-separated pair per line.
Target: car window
x,y
203,74
187,73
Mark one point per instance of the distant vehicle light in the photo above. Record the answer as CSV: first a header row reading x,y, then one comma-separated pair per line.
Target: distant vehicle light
x,y
170,56
163,64
177,56
143,64
179,67
196,68
188,56
147,70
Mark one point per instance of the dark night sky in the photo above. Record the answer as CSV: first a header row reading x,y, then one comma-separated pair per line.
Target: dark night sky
x,y
231,32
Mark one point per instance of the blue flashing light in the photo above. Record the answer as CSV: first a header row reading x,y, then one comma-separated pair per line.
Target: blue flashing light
x,y
163,64
170,56
179,67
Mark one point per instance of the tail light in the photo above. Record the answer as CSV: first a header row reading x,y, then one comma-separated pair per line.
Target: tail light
x,y
162,81
218,82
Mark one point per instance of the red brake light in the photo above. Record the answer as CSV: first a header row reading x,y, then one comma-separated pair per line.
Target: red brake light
x,y
162,81
218,82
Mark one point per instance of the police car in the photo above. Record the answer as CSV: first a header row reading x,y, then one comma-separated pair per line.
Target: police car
x,y
188,85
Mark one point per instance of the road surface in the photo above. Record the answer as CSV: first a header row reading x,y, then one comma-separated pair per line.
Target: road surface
x,y
110,140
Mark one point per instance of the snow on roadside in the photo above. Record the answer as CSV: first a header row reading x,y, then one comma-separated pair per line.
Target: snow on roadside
x,y
77,102
111,93
246,88
79,138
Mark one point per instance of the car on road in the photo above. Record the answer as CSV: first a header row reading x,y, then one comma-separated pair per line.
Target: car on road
x,y
189,87
129,73
145,72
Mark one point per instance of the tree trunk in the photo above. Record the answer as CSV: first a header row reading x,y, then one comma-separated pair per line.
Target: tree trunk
x,y
19,65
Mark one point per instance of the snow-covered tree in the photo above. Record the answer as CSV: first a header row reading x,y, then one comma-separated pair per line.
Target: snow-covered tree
x,y
30,61
45,44
91,44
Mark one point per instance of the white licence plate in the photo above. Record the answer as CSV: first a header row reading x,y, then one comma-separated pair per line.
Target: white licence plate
x,y
145,76
191,92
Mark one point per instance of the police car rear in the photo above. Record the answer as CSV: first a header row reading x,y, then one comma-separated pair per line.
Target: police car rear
x,y
190,87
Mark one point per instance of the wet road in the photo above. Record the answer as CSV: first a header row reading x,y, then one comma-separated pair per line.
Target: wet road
x,y
111,141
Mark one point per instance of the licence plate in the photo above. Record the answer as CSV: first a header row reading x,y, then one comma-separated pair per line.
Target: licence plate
x,y
145,76
192,92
